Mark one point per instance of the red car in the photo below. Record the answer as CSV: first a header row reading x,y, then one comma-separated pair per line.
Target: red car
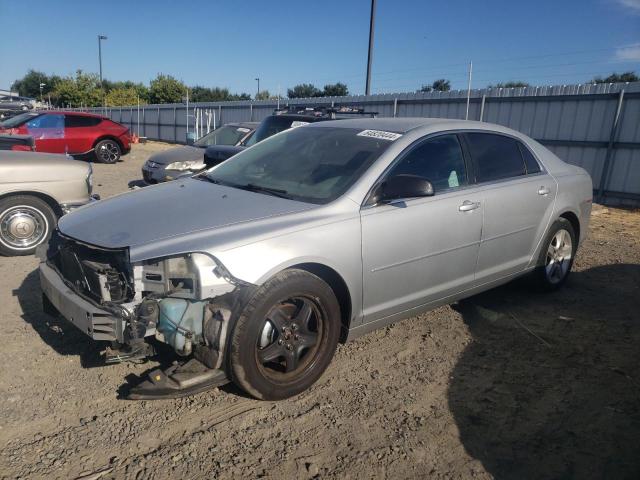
x,y
75,133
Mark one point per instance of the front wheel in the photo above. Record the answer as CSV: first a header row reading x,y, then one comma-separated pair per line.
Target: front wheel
x,y
285,337
108,151
557,255
25,223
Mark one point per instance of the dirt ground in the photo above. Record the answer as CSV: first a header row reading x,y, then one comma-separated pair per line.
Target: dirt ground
x,y
508,384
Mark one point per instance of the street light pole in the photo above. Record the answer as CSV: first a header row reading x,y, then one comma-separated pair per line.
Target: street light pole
x,y
370,54
258,94
100,38
41,87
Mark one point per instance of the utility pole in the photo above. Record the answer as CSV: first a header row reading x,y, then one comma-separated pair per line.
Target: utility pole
x,y
370,54
41,87
258,94
466,117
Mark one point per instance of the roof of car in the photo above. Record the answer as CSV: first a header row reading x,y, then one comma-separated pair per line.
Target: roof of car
x,y
66,112
251,125
403,125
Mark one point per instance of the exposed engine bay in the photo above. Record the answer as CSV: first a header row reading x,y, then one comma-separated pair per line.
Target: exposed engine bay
x,y
184,301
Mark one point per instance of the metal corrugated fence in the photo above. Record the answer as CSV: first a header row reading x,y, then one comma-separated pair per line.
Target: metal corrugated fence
x,y
594,126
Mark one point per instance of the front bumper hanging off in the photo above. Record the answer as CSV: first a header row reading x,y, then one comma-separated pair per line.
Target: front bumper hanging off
x,y
179,380
96,323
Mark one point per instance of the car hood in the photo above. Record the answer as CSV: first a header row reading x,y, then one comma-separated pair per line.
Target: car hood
x,y
183,153
173,214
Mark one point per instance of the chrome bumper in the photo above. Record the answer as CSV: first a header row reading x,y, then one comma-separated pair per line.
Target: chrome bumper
x,y
68,207
94,322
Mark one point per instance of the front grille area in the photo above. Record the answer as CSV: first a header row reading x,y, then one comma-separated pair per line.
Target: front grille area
x,y
99,274
146,175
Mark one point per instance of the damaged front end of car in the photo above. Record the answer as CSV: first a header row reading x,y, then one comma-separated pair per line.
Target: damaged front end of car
x,y
186,301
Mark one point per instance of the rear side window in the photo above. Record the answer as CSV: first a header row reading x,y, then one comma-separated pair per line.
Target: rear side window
x,y
75,121
529,160
437,159
495,156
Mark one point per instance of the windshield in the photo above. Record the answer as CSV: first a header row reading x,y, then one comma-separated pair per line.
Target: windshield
x,y
18,120
314,165
272,125
226,135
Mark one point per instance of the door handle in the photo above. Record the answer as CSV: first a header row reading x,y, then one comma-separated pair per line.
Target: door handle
x,y
467,206
543,191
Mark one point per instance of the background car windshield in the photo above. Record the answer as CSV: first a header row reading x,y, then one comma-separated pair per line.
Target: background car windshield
x,y
314,165
18,120
269,127
227,135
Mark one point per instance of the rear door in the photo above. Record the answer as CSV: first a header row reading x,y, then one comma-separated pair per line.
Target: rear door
x,y
517,196
48,132
80,132
418,250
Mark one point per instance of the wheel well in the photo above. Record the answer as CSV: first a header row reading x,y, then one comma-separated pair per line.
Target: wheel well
x,y
108,137
339,287
573,220
42,196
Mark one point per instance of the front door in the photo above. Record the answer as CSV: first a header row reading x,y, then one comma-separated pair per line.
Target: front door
x,y
415,251
48,132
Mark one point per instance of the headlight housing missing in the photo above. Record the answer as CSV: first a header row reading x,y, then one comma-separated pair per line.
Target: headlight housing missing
x,y
195,275
187,165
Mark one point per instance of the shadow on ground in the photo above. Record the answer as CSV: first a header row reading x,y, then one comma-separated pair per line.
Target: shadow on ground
x,y
550,385
56,332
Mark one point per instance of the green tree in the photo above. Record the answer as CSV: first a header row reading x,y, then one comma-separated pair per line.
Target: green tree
x,y
263,95
83,89
29,85
335,90
141,90
441,85
121,97
240,96
304,90
618,78
166,89
205,94
510,84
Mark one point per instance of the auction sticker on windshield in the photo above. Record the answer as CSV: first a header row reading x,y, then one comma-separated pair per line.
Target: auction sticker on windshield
x,y
391,136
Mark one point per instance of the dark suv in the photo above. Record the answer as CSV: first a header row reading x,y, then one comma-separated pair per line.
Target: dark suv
x,y
281,120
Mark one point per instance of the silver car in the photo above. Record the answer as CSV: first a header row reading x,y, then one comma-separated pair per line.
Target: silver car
x,y
185,160
35,190
254,270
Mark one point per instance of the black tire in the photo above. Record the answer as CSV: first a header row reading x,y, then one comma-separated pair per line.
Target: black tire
x,y
287,298
553,269
107,151
19,216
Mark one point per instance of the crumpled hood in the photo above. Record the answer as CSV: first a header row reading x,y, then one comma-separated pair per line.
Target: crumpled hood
x,y
174,214
183,153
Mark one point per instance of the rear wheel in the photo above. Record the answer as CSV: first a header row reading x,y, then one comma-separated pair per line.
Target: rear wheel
x,y
25,223
286,336
108,151
557,254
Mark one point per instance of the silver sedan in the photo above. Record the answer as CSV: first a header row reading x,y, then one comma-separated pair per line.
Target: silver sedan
x,y
257,268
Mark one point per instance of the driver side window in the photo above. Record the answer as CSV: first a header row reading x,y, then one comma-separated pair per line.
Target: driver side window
x,y
439,160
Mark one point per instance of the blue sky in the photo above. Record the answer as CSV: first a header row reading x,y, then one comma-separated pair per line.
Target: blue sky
x,y
230,43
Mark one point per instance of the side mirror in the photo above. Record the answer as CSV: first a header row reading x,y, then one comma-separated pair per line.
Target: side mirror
x,y
403,186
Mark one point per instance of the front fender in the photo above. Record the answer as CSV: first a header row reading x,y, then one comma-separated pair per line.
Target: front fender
x,y
337,246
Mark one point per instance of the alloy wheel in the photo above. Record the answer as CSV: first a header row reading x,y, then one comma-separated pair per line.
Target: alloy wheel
x,y
290,337
558,260
109,152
